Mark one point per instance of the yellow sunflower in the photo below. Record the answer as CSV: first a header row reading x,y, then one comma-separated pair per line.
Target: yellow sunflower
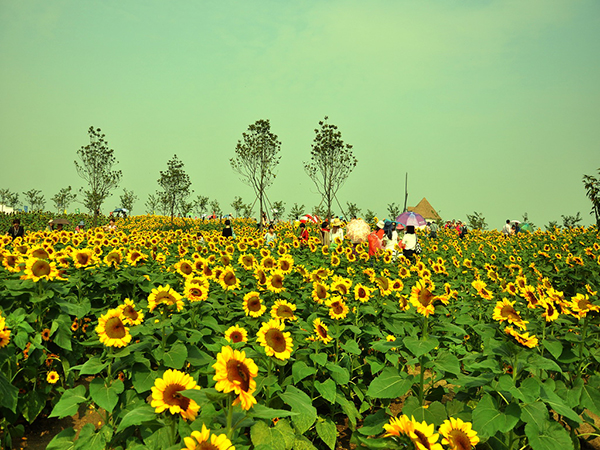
x,y
253,305
111,329
52,377
319,292
458,435
422,298
196,290
236,334
184,267
337,307
83,258
131,316
135,257
4,337
398,425
248,262
286,263
166,394
283,310
113,258
550,312
523,338
504,311
362,293
321,331
164,295
275,341
581,305
40,269
384,285
228,280
205,440
236,373
275,282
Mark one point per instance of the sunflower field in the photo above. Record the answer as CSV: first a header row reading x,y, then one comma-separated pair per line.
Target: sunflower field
x,y
182,341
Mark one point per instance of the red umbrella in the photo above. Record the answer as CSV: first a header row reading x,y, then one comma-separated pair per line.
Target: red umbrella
x,y
308,218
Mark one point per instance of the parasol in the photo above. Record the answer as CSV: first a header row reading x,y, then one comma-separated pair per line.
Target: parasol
x,y
60,222
357,230
411,218
308,218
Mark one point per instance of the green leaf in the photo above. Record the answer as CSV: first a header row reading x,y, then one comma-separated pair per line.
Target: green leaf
x,y
327,389
106,397
92,366
279,437
549,437
63,440
373,424
319,358
339,374
390,384
300,370
351,346
263,412
529,390
420,347
34,403
327,431
89,439
301,404
69,402
488,419
175,357
557,404
349,409
536,412
143,378
590,399
537,361
9,394
553,346
137,416
447,362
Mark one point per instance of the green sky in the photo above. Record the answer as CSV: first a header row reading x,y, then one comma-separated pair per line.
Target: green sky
x,y
490,106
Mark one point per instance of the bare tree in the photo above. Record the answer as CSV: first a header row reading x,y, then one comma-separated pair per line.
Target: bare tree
x,y
96,168
331,162
152,204
257,156
200,205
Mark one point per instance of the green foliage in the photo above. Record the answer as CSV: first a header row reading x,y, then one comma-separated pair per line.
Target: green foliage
x,y
35,199
353,210
175,184
128,199
477,221
592,188
394,211
63,199
296,211
571,221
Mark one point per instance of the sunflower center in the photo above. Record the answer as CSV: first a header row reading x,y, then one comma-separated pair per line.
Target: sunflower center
x,y
362,293
321,291
230,279
275,339
82,258
322,331
460,441
186,268
115,329
284,311
425,297
277,282
195,292
206,446
238,373
40,268
509,313
236,337
130,312
337,307
422,439
254,304
172,396
284,265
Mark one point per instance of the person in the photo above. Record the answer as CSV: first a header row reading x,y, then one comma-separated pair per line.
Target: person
x,y
112,225
50,226
506,229
200,238
390,237
336,231
409,242
303,234
433,229
16,230
80,228
264,222
227,231
270,236
463,230
375,238
325,235
59,227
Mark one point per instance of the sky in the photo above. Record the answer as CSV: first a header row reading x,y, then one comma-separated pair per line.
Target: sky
x,y
489,106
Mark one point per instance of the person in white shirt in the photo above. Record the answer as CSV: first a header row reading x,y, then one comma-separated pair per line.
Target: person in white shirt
x,y
409,242
506,228
390,237
271,236
336,231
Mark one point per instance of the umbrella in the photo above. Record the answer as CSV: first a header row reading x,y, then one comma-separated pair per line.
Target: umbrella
x,y
526,227
357,230
60,222
515,221
125,210
411,218
399,226
308,218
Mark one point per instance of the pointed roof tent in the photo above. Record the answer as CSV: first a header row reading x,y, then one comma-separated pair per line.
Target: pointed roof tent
x,y
426,210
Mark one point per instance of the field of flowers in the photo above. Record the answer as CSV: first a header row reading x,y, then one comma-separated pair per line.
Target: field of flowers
x,y
181,342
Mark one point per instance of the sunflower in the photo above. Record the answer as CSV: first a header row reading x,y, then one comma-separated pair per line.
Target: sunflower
x,y
529,293
253,305
286,264
52,377
283,310
398,425
422,298
337,307
511,288
362,293
38,269
39,253
275,282
550,312
236,334
196,291
458,435
204,439
268,262
4,337
581,305
184,267
166,394
131,316
45,333
228,280
247,261
111,329
261,277
113,258
164,295
523,338
83,258
319,292
276,342
504,311
236,373
135,257
321,331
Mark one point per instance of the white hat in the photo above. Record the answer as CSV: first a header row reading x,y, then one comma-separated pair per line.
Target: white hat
x,y
380,224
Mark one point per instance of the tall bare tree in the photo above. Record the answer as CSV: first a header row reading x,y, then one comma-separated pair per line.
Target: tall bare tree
x,y
331,162
256,157
95,166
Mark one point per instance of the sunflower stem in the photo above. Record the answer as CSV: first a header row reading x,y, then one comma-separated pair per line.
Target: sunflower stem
x,y
229,428
581,344
421,380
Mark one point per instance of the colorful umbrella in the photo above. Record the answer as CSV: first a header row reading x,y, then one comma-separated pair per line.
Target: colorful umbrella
x,y
410,218
357,230
308,218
